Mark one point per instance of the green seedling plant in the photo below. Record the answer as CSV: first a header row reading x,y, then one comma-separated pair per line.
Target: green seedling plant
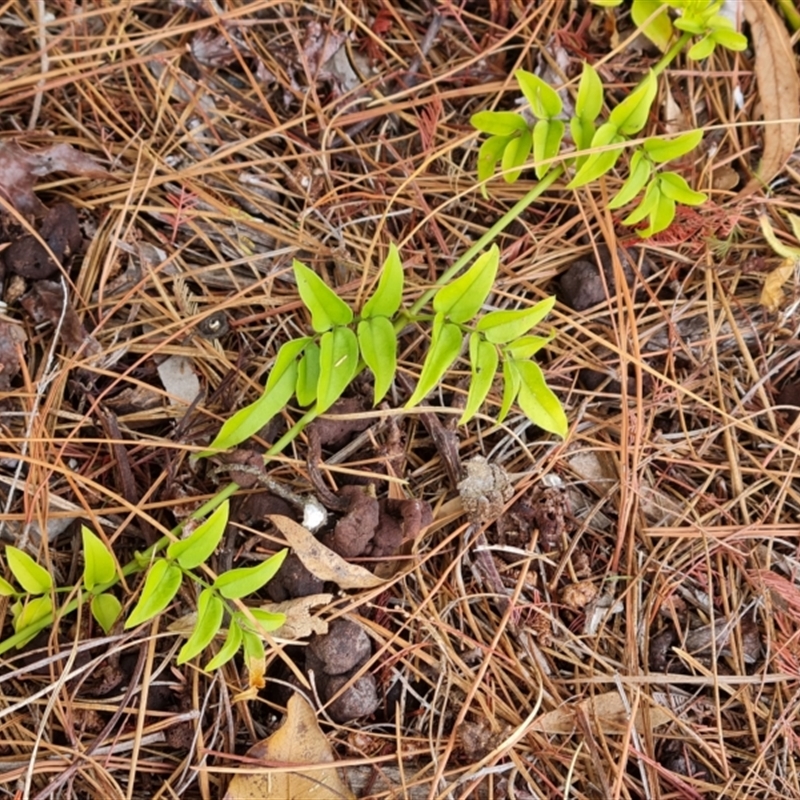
x,y
314,371
598,144
169,565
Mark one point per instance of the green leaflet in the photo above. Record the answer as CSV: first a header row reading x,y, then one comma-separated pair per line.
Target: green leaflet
x,y
538,401
233,642
490,152
659,29
253,646
446,342
526,346
378,344
511,384
631,114
547,135
209,620
160,587
640,171
198,547
582,134
33,578
483,360
6,589
308,376
544,100
265,621
389,293
326,307
598,164
461,300
661,149
648,203
237,583
498,123
515,155
501,327
338,363
281,385
676,188
589,102
99,566
105,609
29,612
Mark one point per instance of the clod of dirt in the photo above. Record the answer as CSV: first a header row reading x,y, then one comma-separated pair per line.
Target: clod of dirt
x,y
293,580
343,648
485,491
335,432
583,285
400,521
12,346
358,700
45,302
577,595
357,527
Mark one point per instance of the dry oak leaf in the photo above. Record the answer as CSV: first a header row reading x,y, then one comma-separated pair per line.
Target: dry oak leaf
x,y
606,713
322,561
295,753
778,88
299,622
20,168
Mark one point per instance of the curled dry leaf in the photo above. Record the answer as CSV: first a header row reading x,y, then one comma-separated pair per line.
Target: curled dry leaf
x,y
20,168
772,291
299,622
322,561
778,88
298,741
606,713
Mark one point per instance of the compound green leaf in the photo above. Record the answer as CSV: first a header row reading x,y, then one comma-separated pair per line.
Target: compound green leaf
x,y
209,620
338,364
483,360
389,292
537,400
631,114
33,578
511,383
640,171
280,387
676,188
326,307
446,341
461,300
198,547
498,123
600,163
105,609
237,583
308,376
659,29
233,641
589,102
265,621
515,155
32,611
160,587
99,564
661,149
490,152
544,100
547,135
526,346
378,344
501,327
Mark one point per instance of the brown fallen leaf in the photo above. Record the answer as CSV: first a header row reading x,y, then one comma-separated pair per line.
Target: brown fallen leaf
x,y
12,348
20,168
779,90
606,713
299,741
322,561
299,622
772,290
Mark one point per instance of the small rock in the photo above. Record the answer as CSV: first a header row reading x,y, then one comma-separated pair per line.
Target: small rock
x,y
359,700
485,490
344,647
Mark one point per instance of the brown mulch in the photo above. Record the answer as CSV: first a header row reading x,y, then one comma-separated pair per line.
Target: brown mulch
x,y
618,619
